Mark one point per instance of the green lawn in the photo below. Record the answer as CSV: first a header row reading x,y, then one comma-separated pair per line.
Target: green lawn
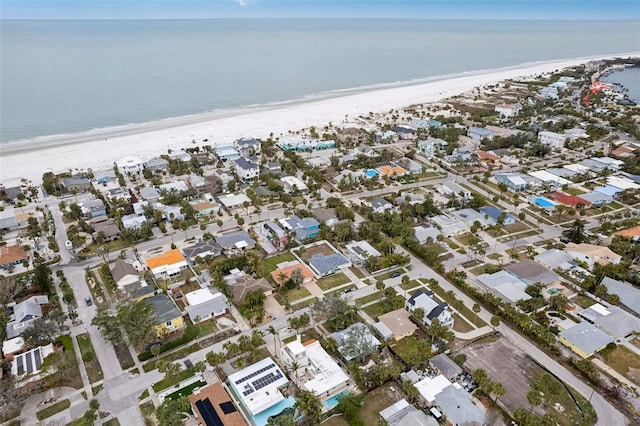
x,y
403,347
306,303
410,285
329,282
166,382
180,353
377,309
370,298
296,293
623,360
357,272
113,422
387,274
574,191
53,409
436,248
459,324
187,390
94,371
271,263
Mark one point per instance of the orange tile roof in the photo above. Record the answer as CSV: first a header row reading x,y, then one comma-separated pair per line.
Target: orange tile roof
x,y
216,394
168,258
204,206
483,155
304,269
391,170
10,254
629,232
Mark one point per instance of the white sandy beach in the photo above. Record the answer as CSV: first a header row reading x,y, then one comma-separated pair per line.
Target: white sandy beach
x,y
100,149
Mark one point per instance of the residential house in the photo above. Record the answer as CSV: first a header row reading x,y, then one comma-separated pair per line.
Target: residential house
x,y
201,250
316,371
348,177
293,185
432,309
327,216
513,181
24,313
449,227
508,110
358,331
549,92
157,165
409,165
487,159
118,193
246,169
391,170
11,347
470,217
107,226
629,294
30,362
493,215
555,259
505,285
611,319
103,177
404,414
386,136
591,253
292,143
272,167
422,234
130,165
150,194
408,198
360,251
585,339
227,152
234,201
462,155
90,209
353,136
235,242
205,208
323,265
450,188
179,155
212,406
178,186
258,388
168,265
203,305
272,232
247,147
12,194
532,272
571,200
303,229
378,204
132,221
240,284
552,139
168,317
457,405
8,219
284,271
406,132
432,146
11,256
576,133
479,134
399,323
430,386
622,183
77,184
124,274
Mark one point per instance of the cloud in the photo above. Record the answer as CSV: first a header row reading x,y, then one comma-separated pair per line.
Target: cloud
x,y
242,2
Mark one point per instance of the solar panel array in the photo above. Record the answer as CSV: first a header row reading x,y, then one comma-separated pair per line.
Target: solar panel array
x,y
255,373
29,362
20,364
208,413
228,407
38,358
267,380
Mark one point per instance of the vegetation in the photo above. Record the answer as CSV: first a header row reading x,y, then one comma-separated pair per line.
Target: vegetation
x,y
53,409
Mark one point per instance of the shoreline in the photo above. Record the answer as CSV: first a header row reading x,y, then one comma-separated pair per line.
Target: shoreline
x,y
85,150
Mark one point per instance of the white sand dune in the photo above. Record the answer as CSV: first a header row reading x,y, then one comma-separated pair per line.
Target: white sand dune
x,y
101,148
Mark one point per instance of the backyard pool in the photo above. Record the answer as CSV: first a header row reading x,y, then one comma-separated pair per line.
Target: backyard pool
x,y
333,401
261,419
371,173
544,202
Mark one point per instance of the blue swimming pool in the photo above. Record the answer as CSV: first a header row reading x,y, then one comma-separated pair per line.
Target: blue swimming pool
x,y
544,202
333,401
371,173
261,419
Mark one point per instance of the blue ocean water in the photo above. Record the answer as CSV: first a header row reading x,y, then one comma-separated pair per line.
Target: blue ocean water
x,y
629,78
60,77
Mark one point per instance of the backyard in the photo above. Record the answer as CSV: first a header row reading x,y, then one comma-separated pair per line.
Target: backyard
x,y
332,281
624,362
271,263
307,253
374,402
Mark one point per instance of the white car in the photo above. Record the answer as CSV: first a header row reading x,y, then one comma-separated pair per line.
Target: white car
x,y
68,244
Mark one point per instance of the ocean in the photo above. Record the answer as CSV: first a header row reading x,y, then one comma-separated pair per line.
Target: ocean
x,y
629,78
62,77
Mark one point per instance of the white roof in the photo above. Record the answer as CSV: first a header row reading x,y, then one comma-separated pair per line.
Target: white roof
x,y
327,374
578,168
129,161
200,296
545,176
392,409
292,180
361,247
622,183
295,348
600,309
430,387
12,345
257,385
232,200
506,284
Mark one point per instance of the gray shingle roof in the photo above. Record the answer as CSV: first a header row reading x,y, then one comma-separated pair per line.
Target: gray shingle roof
x,y
587,337
209,246
326,263
163,307
446,366
230,240
207,308
457,406
629,295
531,272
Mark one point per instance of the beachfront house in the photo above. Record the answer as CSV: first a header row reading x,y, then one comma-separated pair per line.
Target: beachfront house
x,y
130,165
247,147
508,110
227,152
247,169
432,146
157,165
76,184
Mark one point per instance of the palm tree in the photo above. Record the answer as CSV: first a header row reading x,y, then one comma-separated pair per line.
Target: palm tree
x,y
534,398
282,277
309,405
272,331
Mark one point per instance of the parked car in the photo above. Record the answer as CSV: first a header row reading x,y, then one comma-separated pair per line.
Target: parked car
x,y
395,275
68,244
88,301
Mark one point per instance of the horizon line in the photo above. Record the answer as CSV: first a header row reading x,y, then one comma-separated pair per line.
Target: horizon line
x,y
323,17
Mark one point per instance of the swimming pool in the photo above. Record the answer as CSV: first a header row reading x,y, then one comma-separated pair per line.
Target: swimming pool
x,y
371,173
544,202
333,401
262,418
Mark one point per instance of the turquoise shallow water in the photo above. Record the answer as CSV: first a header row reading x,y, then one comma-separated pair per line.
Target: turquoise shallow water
x,y
71,76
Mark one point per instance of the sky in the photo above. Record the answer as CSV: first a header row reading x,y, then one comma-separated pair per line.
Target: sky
x,y
434,9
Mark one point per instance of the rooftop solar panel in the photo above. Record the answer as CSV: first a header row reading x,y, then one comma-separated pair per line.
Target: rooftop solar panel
x,y
29,363
208,413
228,407
38,358
20,363
255,373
